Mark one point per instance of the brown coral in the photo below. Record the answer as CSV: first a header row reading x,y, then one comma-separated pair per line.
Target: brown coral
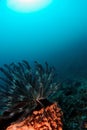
x,y
48,118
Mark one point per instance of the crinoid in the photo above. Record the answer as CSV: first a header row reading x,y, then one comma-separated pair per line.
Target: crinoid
x,y
23,88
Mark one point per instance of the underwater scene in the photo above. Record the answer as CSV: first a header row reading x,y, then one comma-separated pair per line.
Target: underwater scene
x,y
43,64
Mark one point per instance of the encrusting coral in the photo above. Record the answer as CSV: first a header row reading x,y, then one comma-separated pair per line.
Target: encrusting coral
x,y
22,89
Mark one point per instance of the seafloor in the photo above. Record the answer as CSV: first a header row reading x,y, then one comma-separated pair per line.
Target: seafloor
x,y
72,97
71,94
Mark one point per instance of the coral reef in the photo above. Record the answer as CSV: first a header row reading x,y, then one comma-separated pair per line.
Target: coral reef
x,y
22,89
44,119
72,97
28,95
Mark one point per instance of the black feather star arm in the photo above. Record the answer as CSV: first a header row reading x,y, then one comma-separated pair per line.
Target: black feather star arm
x,y
23,88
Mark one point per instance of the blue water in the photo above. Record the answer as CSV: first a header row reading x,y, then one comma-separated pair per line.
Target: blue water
x,y
56,34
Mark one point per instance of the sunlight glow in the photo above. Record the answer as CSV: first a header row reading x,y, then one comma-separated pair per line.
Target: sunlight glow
x,y
27,5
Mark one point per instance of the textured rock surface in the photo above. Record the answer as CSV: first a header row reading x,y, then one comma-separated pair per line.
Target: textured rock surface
x,y
72,97
43,119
